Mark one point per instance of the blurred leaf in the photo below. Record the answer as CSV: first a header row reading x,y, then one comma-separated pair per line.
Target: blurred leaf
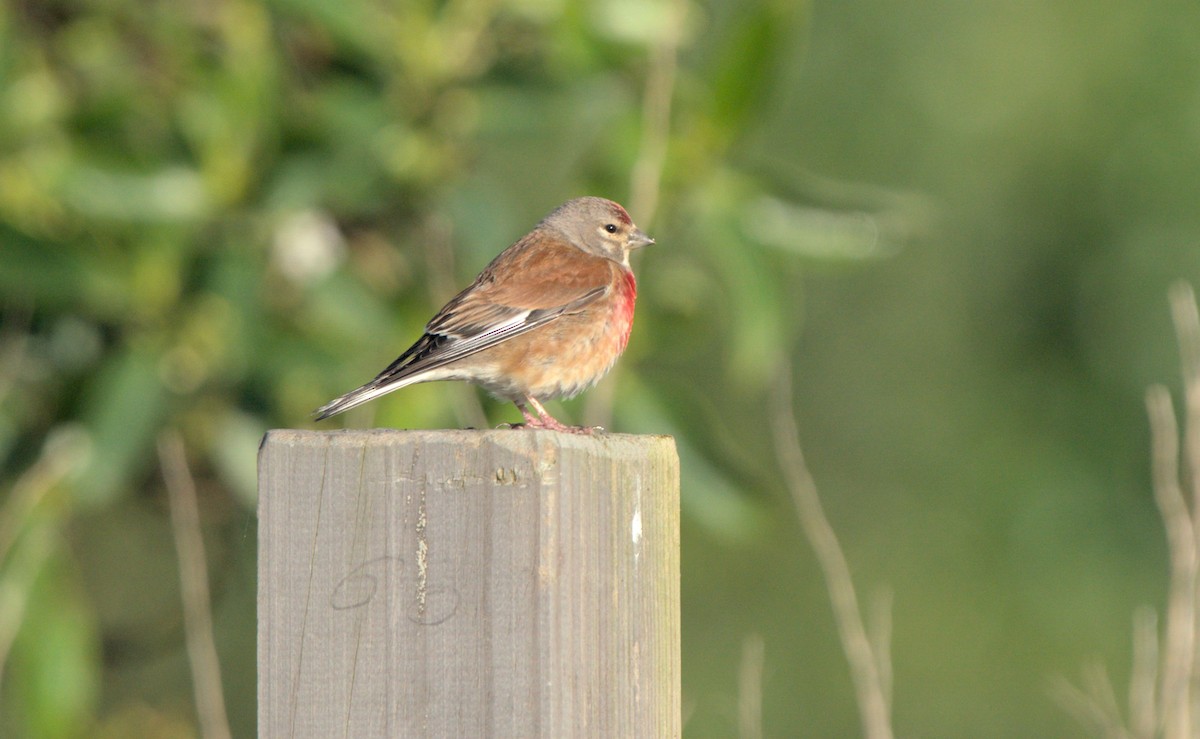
x,y
358,27
747,64
38,271
644,22
124,407
227,121
57,658
814,232
761,319
173,193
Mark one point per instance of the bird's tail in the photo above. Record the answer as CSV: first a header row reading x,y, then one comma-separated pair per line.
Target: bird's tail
x,y
354,398
398,374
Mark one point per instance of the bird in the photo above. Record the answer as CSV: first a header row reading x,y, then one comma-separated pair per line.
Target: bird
x,y
547,318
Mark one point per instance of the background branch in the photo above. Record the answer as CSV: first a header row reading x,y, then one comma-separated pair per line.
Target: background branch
x,y
867,668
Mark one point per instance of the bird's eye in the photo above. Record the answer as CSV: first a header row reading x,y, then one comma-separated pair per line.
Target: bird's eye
x,y
611,228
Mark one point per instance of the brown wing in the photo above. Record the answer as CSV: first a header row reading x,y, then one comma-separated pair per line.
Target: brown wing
x,y
535,274
530,284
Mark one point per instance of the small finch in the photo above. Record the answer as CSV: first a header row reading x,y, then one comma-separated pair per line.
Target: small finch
x,y
546,319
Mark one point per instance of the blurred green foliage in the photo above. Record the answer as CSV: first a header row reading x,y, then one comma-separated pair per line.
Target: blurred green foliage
x,y
958,220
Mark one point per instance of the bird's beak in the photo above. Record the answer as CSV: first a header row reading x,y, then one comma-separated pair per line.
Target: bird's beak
x,y
638,239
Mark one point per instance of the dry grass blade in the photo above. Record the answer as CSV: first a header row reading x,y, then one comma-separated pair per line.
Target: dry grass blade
x,y
867,669
28,535
1143,691
1182,722
646,178
1094,705
16,579
1180,629
193,575
881,640
1186,317
1164,683
647,174
750,678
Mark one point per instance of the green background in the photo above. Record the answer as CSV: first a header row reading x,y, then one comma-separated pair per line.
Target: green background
x,y
951,225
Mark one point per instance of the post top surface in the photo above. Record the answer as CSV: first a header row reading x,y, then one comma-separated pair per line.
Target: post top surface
x,y
505,437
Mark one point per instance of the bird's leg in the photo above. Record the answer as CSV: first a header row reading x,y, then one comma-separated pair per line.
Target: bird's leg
x,y
531,420
543,420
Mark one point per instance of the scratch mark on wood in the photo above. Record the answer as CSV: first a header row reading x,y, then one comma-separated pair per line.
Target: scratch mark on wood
x,y
422,558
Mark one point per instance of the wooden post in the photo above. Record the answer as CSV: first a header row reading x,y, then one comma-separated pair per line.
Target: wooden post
x,y
508,583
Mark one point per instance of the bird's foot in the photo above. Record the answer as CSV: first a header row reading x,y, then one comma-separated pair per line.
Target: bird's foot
x,y
544,420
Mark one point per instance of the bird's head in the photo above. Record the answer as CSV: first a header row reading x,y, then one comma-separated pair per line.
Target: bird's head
x,y
598,226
